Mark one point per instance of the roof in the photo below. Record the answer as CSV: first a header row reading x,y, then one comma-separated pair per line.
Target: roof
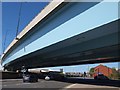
x,y
102,66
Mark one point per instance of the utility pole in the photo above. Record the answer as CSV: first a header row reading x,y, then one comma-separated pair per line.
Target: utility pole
x,y
88,70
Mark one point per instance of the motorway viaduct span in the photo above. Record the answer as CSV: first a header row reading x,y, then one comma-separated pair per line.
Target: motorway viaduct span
x,y
67,33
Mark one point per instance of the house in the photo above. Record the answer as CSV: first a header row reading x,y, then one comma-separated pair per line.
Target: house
x,y
119,70
103,69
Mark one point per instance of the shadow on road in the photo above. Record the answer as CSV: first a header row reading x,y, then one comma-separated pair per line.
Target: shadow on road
x,y
114,83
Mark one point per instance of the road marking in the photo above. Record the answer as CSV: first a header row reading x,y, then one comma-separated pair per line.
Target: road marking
x,y
87,86
70,86
23,84
6,80
18,84
4,85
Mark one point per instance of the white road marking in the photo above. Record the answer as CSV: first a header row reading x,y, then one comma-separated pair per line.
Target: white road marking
x,y
17,84
4,85
23,83
70,86
86,86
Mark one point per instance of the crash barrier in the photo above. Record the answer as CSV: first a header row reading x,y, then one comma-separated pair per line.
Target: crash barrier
x,y
17,75
10,75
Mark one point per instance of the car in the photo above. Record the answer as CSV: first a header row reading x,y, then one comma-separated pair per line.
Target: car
x,y
47,78
101,76
52,75
30,77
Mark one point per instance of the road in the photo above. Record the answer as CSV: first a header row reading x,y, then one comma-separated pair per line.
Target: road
x,y
40,84
62,85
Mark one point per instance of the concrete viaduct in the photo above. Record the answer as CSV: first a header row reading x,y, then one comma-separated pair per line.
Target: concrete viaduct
x,y
67,33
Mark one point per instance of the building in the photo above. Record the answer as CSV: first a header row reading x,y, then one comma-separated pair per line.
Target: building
x,y
73,74
103,69
118,70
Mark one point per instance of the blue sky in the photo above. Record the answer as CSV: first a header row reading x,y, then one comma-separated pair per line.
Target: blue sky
x,y
10,13
82,68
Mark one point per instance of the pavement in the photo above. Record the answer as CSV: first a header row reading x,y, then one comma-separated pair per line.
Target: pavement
x,y
74,83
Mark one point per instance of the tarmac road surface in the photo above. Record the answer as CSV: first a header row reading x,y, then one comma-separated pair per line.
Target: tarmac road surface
x,y
81,84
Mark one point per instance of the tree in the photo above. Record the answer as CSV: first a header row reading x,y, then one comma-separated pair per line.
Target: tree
x,y
91,71
115,74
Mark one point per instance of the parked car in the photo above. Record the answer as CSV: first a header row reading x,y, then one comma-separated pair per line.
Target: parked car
x,y
101,76
47,77
53,75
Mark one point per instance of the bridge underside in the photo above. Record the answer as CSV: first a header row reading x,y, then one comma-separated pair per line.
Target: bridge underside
x,y
101,55
80,49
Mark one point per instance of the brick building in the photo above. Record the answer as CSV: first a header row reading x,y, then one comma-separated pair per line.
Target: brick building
x,y
103,69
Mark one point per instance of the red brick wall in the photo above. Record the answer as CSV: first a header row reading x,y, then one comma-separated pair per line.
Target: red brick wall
x,y
103,69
